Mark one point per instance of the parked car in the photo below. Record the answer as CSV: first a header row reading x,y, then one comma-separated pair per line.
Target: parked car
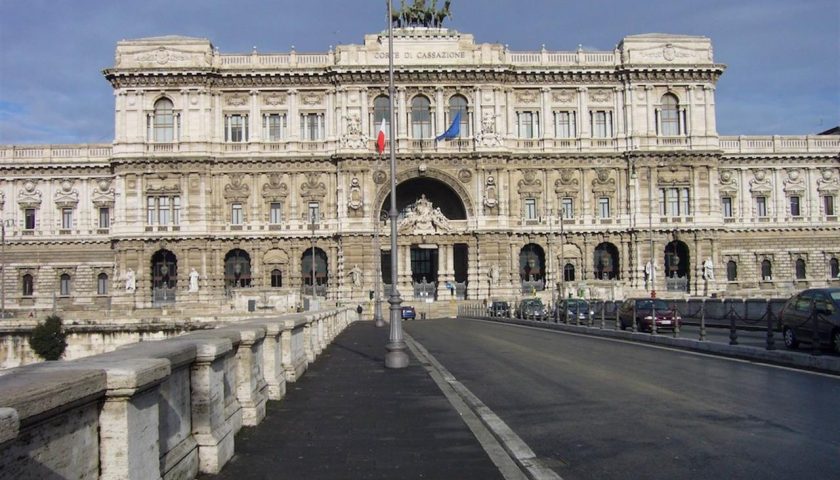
x,y
408,312
531,308
499,308
667,317
571,307
797,322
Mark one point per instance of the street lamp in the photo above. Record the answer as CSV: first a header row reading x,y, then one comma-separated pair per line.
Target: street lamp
x,y
652,264
396,357
312,259
377,285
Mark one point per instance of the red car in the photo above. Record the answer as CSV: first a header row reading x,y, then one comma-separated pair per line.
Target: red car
x,y
667,318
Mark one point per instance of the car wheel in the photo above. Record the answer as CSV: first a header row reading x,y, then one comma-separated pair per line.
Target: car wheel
x,y
835,339
790,338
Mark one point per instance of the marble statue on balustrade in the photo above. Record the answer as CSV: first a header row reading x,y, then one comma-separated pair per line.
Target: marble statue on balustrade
x,y
708,270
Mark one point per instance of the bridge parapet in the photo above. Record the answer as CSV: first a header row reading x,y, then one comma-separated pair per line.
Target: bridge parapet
x,y
165,409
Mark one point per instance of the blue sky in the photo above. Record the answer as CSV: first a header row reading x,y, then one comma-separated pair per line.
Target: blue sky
x,y
783,56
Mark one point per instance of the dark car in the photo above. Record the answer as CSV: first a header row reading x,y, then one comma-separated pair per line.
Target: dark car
x,y
667,318
408,313
531,308
797,322
499,308
572,309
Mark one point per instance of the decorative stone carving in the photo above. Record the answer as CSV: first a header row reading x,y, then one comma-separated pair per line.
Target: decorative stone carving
x,y
760,184
354,139
527,96
567,185
236,189
380,177
794,183
274,99
193,281
600,95
828,183
464,175
275,189
563,96
29,197
356,276
728,183
311,98
488,137
103,195
236,100
530,184
490,196
312,189
162,56
130,281
673,175
354,196
494,274
602,183
2,200
422,217
158,185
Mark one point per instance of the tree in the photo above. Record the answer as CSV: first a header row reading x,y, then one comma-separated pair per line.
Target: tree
x,y
48,339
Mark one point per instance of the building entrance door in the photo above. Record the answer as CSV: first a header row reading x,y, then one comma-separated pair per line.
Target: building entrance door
x,y
164,277
424,271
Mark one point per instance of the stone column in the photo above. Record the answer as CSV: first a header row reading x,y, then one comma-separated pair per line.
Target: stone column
x,y
439,113
545,112
255,130
583,116
402,117
211,429
294,117
711,129
367,129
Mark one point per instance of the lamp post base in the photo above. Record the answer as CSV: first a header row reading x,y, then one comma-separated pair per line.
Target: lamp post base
x,y
396,356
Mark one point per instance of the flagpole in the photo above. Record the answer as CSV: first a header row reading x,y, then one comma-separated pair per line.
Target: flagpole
x,y
396,356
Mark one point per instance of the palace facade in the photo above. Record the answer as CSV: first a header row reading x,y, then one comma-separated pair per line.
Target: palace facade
x,y
573,172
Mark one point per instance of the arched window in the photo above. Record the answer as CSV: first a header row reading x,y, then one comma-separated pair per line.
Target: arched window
x,y
569,272
381,111
532,263
669,116
237,268
276,278
28,286
766,270
163,121
64,285
605,261
731,271
458,104
102,284
421,118
834,268
800,269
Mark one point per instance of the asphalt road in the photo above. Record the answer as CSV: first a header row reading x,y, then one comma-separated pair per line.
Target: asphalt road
x,y
594,408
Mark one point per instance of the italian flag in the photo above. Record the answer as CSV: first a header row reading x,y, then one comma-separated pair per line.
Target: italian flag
x,y
380,138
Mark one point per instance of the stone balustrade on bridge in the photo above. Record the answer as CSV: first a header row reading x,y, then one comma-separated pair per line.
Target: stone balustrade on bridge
x,y
164,409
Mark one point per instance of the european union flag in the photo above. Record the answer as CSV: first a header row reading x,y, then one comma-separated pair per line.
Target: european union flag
x,y
453,131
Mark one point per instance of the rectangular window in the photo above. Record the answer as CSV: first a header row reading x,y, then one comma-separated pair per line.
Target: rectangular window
x,y
565,125
274,126
176,210
761,206
685,204
163,210
726,204
314,213
674,201
828,205
236,128
66,218
102,284
601,124
604,207
794,206
312,126
64,285
568,206
236,214
150,211
104,217
531,208
528,124
275,213
29,218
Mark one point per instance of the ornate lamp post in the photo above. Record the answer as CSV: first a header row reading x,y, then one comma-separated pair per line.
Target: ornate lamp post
x,y
312,259
396,357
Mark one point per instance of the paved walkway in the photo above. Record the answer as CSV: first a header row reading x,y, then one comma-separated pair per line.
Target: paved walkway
x,y
351,418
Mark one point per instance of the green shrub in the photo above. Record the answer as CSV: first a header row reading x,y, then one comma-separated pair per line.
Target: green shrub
x,y
48,339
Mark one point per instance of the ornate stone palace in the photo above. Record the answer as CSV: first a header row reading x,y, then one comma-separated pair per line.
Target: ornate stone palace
x,y
230,173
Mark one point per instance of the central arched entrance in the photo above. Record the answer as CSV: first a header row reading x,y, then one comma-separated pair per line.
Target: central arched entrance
x,y
532,268
677,264
237,269
321,272
164,277
426,205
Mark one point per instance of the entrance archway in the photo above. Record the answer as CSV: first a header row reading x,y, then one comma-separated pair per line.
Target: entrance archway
x,y
677,264
439,193
605,262
321,271
532,268
164,277
237,269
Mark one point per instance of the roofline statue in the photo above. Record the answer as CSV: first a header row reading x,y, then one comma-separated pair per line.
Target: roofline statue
x,y
418,14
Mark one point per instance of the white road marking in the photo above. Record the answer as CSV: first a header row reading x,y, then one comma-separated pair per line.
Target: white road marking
x,y
514,449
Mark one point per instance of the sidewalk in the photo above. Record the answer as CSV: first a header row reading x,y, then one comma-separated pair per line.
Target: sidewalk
x,y
351,418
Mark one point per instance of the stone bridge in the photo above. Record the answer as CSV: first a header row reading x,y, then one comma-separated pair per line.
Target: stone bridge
x,y
166,409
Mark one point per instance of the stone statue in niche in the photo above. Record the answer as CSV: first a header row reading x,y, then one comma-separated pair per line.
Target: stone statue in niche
x,y
354,139
708,270
488,137
356,275
495,274
193,281
130,281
